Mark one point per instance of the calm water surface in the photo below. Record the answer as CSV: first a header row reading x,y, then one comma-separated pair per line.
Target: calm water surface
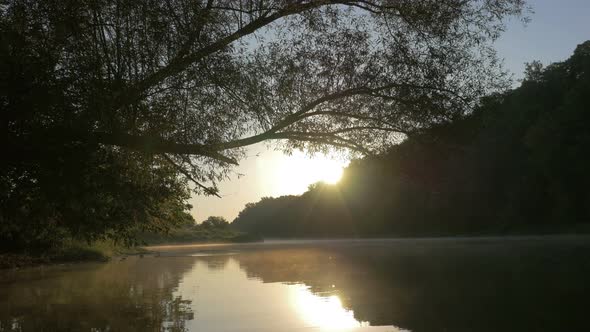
x,y
485,284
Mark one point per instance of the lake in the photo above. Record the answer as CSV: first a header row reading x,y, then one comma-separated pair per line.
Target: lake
x,y
440,284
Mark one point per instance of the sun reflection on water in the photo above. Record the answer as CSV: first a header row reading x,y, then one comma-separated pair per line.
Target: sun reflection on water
x,y
325,313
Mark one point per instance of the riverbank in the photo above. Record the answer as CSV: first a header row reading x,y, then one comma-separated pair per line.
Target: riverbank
x,y
403,244
73,252
104,252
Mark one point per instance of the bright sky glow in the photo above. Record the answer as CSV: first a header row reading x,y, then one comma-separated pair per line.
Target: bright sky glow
x,y
293,174
557,27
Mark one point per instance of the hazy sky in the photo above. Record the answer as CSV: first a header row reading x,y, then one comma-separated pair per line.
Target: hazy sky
x,y
556,27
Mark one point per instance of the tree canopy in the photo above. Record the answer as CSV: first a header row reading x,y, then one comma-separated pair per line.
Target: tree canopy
x,y
111,108
518,163
215,222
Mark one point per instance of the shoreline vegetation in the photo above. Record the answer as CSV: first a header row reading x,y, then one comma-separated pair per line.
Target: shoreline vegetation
x,y
198,234
70,252
75,252
104,251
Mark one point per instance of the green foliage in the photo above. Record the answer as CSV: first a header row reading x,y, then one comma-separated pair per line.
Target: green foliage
x,y
68,251
213,229
518,163
215,222
88,196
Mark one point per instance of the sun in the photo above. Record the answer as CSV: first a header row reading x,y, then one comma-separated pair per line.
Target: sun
x,y
327,171
293,174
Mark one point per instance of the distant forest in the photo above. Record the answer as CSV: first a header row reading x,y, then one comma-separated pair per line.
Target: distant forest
x,y
520,160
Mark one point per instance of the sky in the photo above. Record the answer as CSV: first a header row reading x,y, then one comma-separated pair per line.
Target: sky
x,y
556,27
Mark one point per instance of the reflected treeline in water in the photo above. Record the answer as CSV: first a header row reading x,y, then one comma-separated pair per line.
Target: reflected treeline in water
x,y
441,285
130,295
423,285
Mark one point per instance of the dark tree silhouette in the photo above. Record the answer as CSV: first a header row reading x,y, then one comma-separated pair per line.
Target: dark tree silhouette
x,y
518,163
110,108
215,222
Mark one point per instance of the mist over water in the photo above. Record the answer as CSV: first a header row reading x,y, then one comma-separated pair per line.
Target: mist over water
x,y
485,284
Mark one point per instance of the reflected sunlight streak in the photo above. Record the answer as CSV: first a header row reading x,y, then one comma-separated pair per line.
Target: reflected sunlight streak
x,y
325,313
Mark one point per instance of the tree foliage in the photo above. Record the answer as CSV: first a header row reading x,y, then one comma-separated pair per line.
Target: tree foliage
x,y
111,108
215,222
519,162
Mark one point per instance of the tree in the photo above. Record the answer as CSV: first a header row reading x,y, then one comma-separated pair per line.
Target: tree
x,y
215,222
518,163
176,89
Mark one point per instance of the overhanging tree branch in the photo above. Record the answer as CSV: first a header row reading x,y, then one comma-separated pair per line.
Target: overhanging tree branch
x,y
181,169
157,145
182,61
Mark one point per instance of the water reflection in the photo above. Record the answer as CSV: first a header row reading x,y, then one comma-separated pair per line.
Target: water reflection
x,y
419,286
444,285
323,312
229,299
132,295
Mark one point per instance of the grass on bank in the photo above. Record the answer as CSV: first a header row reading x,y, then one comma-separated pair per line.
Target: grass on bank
x,y
71,251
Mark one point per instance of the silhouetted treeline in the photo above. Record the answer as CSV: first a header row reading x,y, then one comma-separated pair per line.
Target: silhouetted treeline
x,y
213,229
519,161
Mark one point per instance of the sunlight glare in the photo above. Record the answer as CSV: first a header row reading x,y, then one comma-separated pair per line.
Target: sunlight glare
x,y
325,313
293,174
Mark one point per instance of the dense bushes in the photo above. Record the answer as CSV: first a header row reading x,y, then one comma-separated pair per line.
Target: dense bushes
x,y
87,196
